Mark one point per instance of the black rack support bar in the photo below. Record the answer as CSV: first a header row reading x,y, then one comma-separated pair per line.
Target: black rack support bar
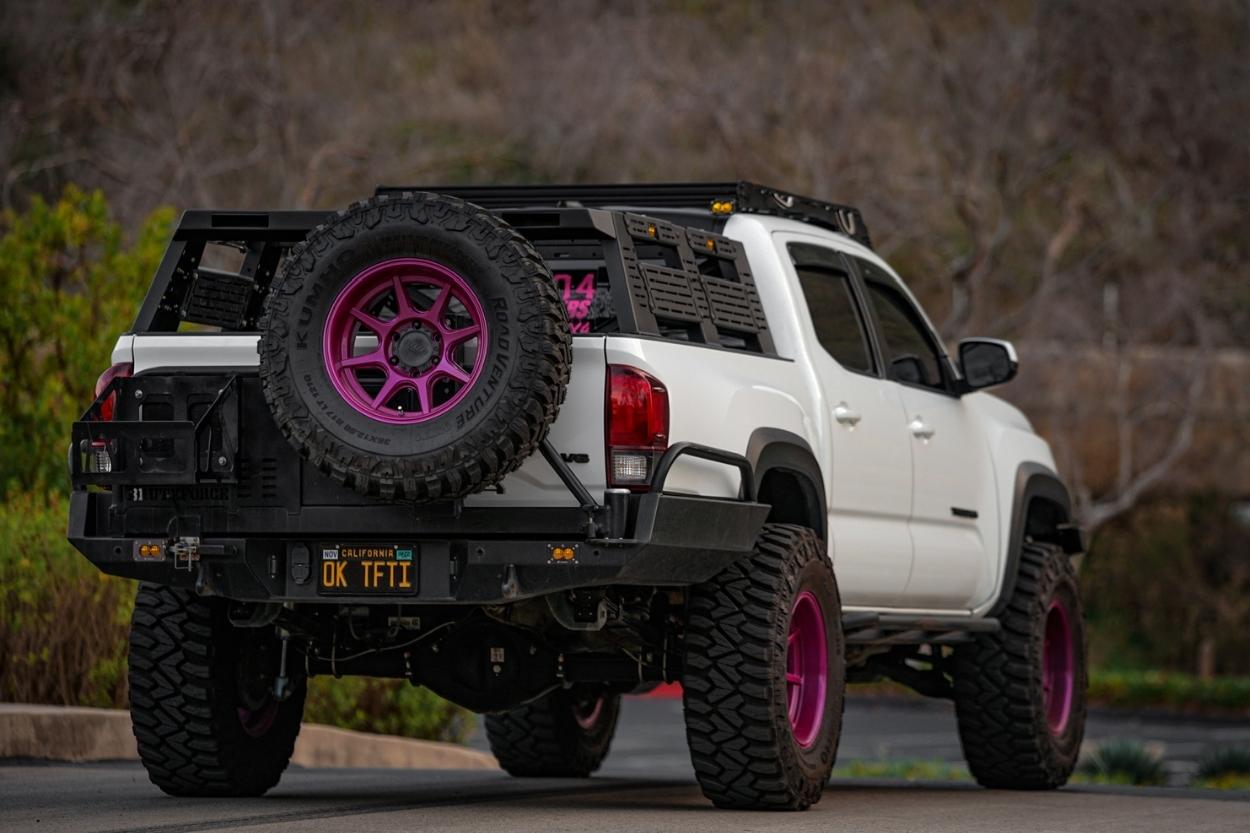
x,y
567,477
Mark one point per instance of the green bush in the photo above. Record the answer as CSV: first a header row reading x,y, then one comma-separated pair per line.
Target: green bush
x,y
1122,762
388,707
1138,620
1171,690
904,770
63,624
70,286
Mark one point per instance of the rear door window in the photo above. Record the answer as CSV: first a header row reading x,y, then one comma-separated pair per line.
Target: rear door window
x,y
911,356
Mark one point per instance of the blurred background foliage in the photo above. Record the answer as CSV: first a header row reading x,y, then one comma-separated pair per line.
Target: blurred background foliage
x,y
68,284
1070,175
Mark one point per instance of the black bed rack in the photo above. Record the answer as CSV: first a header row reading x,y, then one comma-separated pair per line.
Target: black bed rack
x,y
665,279
719,198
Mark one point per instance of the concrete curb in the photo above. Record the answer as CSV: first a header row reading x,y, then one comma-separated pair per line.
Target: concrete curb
x,y
326,746
76,734
65,733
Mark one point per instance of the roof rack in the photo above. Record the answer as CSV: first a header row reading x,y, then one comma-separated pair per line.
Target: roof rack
x,y
720,198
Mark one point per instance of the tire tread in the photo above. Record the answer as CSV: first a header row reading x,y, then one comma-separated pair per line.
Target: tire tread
x,y
174,702
999,701
542,739
740,744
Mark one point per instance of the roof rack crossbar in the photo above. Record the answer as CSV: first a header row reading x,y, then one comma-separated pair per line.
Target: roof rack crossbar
x,y
716,197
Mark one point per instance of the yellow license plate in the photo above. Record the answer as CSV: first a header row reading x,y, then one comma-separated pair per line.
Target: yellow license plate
x,y
368,570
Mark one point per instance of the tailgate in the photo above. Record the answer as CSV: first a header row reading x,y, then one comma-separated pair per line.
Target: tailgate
x,y
577,432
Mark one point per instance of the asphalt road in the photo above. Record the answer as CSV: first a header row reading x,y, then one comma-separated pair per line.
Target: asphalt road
x,y
646,785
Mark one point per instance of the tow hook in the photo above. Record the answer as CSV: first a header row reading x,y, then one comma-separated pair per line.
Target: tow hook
x,y
282,682
186,551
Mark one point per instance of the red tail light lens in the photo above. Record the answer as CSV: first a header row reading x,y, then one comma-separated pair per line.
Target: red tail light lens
x,y
118,371
637,426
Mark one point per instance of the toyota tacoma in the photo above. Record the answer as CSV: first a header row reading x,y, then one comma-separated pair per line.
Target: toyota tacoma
x,y
535,448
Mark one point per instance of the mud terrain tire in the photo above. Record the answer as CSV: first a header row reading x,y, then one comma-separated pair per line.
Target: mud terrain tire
x,y
1015,733
565,734
188,704
434,389
751,748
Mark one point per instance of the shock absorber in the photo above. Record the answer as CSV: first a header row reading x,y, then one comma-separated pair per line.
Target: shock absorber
x,y
282,682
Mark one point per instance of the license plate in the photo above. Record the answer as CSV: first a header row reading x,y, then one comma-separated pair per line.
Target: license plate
x,y
368,570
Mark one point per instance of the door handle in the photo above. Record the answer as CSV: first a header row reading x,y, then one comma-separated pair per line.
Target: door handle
x,y
920,429
846,415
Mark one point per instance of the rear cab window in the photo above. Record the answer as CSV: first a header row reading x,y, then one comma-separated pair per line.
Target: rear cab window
x,y
836,316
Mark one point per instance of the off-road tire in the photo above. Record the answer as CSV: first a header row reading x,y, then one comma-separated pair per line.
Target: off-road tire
x,y
511,405
999,697
184,700
543,739
744,751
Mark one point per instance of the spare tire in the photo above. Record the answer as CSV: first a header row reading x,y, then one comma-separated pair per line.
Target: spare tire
x,y
414,348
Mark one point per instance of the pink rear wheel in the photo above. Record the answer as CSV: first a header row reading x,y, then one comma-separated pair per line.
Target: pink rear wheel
x,y
807,668
588,710
256,723
764,673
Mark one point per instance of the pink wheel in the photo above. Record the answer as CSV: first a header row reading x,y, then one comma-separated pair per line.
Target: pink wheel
x,y
1019,691
256,723
764,674
587,712
405,340
1058,667
807,668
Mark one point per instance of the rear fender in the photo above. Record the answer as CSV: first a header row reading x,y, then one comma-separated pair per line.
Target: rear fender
x,y
773,450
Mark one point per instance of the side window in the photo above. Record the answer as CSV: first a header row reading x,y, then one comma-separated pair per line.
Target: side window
x,y
836,317
911,356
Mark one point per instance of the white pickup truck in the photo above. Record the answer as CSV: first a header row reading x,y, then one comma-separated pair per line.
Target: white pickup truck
x,y
539,447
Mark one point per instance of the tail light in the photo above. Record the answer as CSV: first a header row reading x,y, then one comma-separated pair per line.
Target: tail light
x,y
637,426
109,406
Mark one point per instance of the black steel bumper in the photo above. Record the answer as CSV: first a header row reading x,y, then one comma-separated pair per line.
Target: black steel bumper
x,y
478,556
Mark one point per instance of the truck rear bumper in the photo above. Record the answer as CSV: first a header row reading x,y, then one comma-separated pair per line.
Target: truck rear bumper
x,y
478,556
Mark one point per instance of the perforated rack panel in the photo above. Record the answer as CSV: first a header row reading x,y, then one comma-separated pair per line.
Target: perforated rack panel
x,y
219,299
705,290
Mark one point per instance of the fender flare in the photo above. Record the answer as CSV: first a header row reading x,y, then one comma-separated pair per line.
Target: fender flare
x,y
775,449
1034,480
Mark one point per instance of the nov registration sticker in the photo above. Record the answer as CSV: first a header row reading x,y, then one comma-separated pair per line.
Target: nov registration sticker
x,y
368,570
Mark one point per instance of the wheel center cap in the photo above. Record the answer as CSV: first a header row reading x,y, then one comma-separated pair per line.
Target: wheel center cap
x,y
414,348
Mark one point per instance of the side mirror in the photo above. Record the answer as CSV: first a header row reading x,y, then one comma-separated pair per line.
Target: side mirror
x,y
986,362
